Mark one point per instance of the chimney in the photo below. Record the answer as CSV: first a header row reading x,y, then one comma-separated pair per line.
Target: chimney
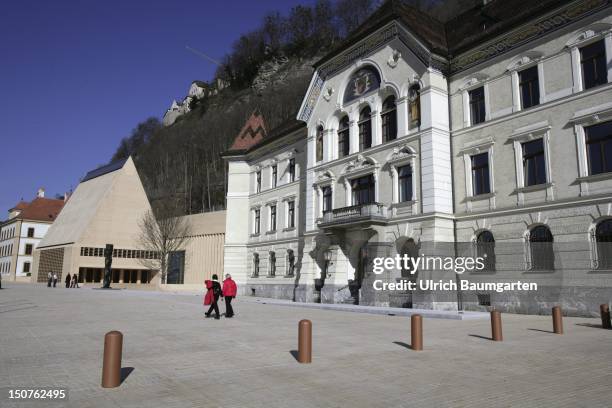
x,y
66,196
41,193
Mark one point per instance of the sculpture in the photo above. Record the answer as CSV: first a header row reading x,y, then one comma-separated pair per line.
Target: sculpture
x,y
108,261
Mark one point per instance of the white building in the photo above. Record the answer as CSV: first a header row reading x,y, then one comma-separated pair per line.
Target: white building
x,y
20,234
488,134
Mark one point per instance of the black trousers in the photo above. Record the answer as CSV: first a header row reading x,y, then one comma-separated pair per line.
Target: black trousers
x,y
229,310
214,306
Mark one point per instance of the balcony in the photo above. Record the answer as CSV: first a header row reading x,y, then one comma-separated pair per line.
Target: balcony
x,y
373,213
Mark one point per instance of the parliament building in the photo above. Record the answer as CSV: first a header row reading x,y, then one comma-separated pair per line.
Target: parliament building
x,y
489,134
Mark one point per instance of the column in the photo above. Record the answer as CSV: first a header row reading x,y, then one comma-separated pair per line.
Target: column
x,y
138,276
353,135
516,94
376,128
121,276
576,69
402,116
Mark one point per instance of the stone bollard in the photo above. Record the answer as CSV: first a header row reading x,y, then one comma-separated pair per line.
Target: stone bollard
x,y
416,332
305,341
496,326
557,320
604,310
111,365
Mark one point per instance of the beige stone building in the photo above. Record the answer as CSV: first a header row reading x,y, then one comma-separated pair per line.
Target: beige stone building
x,y
105,209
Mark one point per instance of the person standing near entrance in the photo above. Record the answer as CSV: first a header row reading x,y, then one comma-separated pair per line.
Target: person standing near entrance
x,y
229,292
68,281
214,291
49,279
75,281
54,279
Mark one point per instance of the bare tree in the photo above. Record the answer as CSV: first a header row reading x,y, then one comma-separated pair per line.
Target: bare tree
x,y
162,235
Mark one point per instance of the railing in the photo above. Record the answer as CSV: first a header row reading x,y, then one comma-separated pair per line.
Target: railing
x,y
355,213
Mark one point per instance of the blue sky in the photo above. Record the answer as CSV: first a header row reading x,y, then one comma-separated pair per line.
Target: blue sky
x,y
77,76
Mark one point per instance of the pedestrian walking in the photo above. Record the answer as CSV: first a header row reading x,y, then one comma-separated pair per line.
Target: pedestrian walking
x,y
212,296
75,281
54,279
229,293
68,281
49,279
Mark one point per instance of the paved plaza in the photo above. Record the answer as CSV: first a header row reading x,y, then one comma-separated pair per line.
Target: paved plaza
x,y
54,338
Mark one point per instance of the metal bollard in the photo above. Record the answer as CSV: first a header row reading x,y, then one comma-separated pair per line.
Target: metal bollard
x,y
496,326
557,320
416,332
604,310
111,366
305,341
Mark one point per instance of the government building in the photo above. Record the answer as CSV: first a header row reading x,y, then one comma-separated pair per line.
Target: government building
x,y
489,134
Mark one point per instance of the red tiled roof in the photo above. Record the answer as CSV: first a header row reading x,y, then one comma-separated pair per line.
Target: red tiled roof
x,y
253,132
20,206
41,209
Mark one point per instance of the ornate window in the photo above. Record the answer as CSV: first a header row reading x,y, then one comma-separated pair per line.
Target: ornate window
x,y
593,64
291,170
364,81
290,263
290,214
272,264
327,198
343,137
272,217
274,171
485,248
598,140
389,119
319,143
534,162
365,129
256,221
363,189
258,182
480,174
542,255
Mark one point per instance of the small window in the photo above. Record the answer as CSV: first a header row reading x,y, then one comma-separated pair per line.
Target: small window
x,y
541,247
343,137
290,262
480,174
291,170
389,119
28,249
534,164
291,214
30,232
528,84
272,263
319,143
404,174
599,148
26,267
477,105
365,129
603,239
258,182
327,198
274,175
255,265
272,218
257,221
593,62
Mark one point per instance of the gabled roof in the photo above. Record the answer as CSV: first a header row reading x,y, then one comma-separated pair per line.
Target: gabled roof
x,y
253,132
39,209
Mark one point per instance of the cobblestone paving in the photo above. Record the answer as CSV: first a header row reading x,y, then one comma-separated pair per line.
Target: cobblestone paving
x,y
54,338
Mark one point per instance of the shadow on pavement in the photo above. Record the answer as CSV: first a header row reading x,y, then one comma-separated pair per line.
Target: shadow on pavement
x,y
125,373
401,343
543,331
481,337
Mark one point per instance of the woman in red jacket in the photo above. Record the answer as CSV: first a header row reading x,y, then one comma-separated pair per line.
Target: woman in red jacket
x,y
212,296
229,291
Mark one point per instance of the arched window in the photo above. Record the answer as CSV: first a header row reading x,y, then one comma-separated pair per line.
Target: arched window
x,y
343,137
255,264
414,107
603,239
319,143
365,129
485,248
389,119
541,248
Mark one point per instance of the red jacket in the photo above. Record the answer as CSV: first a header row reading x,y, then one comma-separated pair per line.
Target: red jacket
x,y
209,296
229,288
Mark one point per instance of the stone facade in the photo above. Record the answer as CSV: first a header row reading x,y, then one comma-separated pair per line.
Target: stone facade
x,y
450,202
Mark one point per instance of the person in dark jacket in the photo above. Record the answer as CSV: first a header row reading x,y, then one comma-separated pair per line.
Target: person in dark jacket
x,y
75,281
215,289
68,281
229,292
